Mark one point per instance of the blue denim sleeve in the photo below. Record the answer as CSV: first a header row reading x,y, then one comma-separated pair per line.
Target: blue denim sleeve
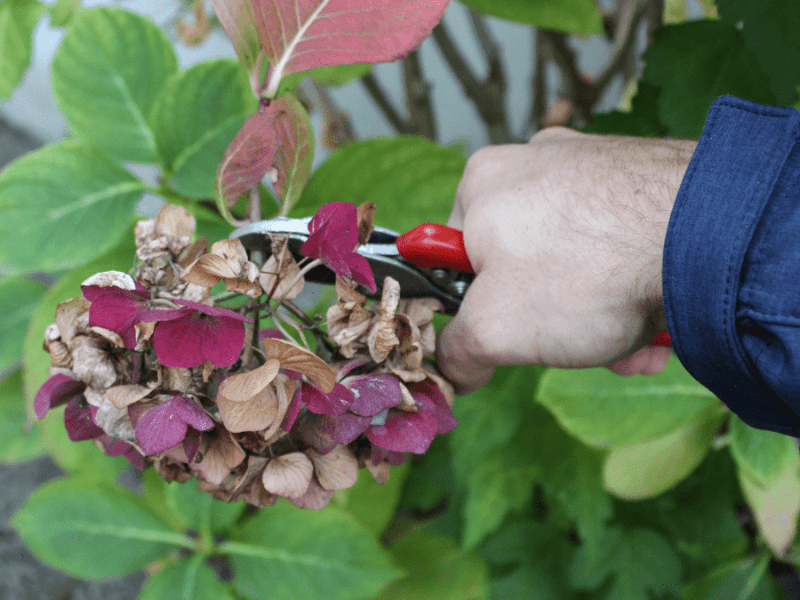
x,y
732,263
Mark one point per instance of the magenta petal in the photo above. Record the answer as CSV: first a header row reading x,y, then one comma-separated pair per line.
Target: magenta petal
x,y
393,458
178,343
148,316
191,444
375,393
270,333
427,390
333,235
222,340
214,311
191,413
79,423
335,403
360,271
160,429
404,432
344,428
291,413
116,309
57,390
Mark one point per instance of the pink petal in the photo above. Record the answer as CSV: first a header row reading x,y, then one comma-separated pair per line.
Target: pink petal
x,y
375,393
222,340
149,316
335,403
116,309
57,390
178,343
159,429
270,333
393,458
79,423
213,311
191,413
291,413
404,432
427,390
360,271
191,444
345,428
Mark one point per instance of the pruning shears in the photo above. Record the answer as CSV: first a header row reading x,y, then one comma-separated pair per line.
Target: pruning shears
x,y
429,260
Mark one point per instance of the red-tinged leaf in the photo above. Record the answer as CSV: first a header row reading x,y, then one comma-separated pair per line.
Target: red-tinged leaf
x,y
304,34
295,153
247,159
236,18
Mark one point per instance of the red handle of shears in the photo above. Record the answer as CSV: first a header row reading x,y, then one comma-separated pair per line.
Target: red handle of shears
x,y
431,245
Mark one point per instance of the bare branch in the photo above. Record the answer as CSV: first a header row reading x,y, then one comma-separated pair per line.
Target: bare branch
x,y
624,37
421,120
487,96
576,88
338,129
380,98
654,15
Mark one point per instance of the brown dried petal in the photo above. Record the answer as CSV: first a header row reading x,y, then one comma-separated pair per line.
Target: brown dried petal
x,y
176,379
255,414
111,278
144,331
284,390
218,455
406,360
124,395
175,221
91,364
315,498
245,386
195,251
380,472
345,293
347,324
255,465
114,421
292,356
276,275
288,475
171,471
420,310
407,404
112,336
336,470
208,270
68,317
366,214
60,355
382,336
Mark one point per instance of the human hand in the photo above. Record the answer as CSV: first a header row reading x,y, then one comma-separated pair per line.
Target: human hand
x,y
566,236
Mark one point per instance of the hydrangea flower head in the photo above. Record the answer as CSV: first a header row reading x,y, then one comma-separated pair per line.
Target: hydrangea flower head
x,y
117,303
334,236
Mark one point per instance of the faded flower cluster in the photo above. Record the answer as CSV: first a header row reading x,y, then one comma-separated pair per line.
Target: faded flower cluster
x,y
151,366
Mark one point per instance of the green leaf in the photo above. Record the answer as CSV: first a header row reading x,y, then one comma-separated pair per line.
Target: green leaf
x,y
17,20
770,30
18,299
699,513
334,76
373,504
761,453
63,205
602,409
640,561
436,568
571,474
411,180
191,578
199,510
776,506
430,481
195,168
641,120
62,11
489,417
499,485
92,531
16,444
696,62
572,16
285,553
194,105
107,75
37,361
647,469
742,580
529,560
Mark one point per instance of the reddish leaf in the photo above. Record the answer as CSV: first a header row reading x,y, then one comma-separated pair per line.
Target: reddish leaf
x,y
248,158
303,34
236,18
295,138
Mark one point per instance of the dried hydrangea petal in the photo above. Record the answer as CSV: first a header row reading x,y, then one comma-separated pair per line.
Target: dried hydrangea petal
x,y
57,390
336,470
288,475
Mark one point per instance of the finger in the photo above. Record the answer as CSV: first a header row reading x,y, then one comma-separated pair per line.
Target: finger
x,y
650,360
456,362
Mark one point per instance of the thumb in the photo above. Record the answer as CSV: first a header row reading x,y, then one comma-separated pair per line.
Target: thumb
x,y
456,358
